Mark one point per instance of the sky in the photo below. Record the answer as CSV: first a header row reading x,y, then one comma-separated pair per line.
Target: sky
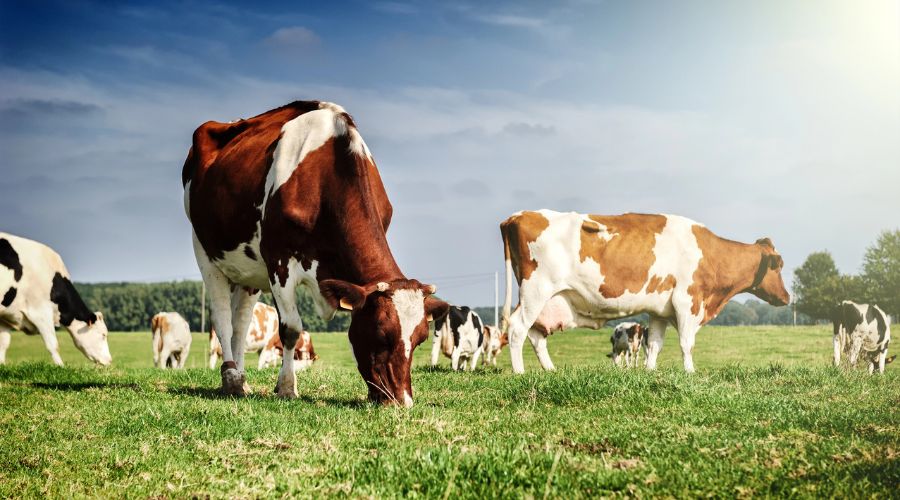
x,y
764,118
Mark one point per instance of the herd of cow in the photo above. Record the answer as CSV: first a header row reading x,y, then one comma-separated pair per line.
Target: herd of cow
x,y
292,198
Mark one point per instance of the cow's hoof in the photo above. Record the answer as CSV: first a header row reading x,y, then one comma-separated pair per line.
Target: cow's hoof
x,y
286,389
234,383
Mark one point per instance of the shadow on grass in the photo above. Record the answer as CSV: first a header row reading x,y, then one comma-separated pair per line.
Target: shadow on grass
x,y
81,386
215,394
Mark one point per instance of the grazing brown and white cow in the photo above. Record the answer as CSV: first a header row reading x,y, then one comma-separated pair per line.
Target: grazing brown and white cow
x,y
304,353
37,294
292,198
171,340
861,331
577,270
263,326
627,339
495,340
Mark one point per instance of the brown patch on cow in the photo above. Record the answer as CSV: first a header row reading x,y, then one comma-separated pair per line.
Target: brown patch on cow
x,y
517,232
159,323
660,285
297,219
625,259
261,313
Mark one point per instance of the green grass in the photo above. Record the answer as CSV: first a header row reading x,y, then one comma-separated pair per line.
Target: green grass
x,y
764,416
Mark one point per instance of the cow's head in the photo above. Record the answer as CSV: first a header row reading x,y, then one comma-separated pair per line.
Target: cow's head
x,y
496,339
90,339
767,283
389,319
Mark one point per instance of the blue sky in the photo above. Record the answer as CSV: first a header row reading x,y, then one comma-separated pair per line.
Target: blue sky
x,y
764,118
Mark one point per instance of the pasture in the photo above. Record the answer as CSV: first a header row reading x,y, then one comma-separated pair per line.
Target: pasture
x,y
764,416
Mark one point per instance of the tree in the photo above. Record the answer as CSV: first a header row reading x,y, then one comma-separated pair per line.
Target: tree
x,y
817,286
881,272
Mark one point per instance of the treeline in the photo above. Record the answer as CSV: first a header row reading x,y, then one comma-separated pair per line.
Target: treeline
x,y
819,286
128,307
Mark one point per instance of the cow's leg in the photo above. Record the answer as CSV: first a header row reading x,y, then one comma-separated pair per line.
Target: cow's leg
x,y
838,347
539,343
882,360
688,325
4,343
47,330
182,359
164,360
213,359
655,340
242,302
435,349
289,328
475,357
855,348
454,359
532,300
218,288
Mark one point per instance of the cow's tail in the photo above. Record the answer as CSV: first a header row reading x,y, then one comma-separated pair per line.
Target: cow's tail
x,y
507,301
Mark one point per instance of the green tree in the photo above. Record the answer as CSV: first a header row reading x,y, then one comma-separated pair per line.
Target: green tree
x,y
817,286
881,272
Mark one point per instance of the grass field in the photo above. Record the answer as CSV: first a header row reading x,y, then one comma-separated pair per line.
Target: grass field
x,y
764,416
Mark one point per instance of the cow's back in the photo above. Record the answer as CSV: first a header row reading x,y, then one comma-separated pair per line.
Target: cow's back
x,y
226,170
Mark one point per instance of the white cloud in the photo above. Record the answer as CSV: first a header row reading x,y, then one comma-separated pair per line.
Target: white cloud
x,y
293,37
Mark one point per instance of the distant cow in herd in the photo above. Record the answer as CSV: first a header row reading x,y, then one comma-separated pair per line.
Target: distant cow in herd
x,y
37,294
171,340
262,338
861,332
578,270
291,198
494,342
627,340
460,336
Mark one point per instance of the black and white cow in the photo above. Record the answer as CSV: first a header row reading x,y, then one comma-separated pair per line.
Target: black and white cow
x,y
861,331
627,340
460,336
37,295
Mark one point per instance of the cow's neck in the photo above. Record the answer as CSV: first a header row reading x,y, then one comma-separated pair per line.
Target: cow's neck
x,y
364,254
738,264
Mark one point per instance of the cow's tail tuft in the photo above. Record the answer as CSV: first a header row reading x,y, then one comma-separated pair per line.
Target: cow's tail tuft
x,y
507,301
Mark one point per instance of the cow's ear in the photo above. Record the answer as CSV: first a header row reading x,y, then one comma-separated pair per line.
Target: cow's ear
x,y
342,294
765,242
435,309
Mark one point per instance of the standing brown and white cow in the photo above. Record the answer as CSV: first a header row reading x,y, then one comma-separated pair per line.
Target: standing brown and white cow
x,y
577,270
171,340
292,198
262,327
36,294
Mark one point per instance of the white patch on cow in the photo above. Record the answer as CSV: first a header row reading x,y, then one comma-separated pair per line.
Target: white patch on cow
x,y
305,134
240,268
187,199
410,307
407,400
